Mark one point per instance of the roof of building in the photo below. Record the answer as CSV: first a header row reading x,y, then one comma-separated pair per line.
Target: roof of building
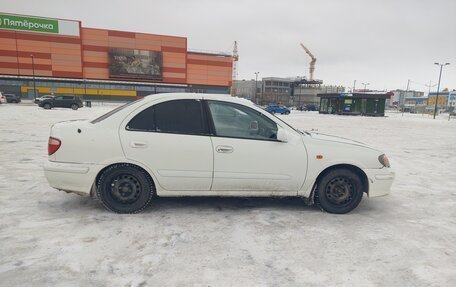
x,y
356,95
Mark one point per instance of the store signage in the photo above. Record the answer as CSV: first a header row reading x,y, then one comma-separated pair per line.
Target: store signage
x,y
33,24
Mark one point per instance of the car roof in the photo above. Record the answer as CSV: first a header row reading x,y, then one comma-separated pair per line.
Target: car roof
x,y
183,96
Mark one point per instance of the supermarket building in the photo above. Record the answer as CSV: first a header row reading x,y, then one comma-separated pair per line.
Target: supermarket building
x,y
46,55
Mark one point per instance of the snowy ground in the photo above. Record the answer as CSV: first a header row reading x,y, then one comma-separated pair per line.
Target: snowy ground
x,y
52,238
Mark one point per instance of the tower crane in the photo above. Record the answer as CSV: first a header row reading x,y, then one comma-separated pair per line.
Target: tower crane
x,y
234,76
312,62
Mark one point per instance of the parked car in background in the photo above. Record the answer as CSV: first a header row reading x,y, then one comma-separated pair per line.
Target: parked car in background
x,y
208,145
277,109
72,102
312,107
38,100
2,99
12,98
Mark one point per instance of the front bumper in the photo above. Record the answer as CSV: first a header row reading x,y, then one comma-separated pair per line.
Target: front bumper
x,y
71,177
380,181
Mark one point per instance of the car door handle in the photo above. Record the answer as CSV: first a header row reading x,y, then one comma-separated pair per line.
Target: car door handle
x,y
224,149
138,144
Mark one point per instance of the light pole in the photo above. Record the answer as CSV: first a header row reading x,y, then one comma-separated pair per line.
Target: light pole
x,y
365,85
256,87
438,86
33,73
404,97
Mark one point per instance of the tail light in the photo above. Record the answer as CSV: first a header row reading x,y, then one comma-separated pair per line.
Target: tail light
x,y
53,145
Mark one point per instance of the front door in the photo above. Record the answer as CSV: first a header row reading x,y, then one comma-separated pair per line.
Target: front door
x,y
58,102
247,154
171,139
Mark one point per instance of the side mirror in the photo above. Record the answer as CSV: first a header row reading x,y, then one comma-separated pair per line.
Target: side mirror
x,y
282,135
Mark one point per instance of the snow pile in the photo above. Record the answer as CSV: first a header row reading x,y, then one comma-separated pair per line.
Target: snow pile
x,y
405,239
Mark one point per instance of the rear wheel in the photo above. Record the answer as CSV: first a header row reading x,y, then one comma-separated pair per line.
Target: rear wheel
x,y
74,106
339,191
125,188
47,106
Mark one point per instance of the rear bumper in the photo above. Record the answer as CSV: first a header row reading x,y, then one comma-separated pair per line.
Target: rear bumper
x,y
71,177
380,181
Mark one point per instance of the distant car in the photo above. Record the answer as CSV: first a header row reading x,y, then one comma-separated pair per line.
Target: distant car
x,y
72,102
276,109
38,100
312,107
2,99
12,98
208,145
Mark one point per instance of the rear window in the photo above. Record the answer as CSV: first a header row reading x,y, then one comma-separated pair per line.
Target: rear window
x,y
110,113
177,116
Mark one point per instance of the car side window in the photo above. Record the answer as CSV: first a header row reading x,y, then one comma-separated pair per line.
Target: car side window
x,y
177,116
237,121
58,98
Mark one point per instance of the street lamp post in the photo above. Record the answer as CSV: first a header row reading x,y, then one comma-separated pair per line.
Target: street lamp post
x,y
33,73
365,85
438,86
404,97
256,87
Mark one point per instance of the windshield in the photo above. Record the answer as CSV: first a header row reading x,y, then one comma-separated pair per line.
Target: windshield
x,y
110,113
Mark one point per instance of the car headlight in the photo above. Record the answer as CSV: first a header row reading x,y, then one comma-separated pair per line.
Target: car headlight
x,y
383,159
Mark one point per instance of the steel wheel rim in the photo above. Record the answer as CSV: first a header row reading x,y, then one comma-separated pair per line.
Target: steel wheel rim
x,y
125,188
340,190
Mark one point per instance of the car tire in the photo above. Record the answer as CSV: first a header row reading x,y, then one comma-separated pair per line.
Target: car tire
x,y
125,188
14,102
47,106
287,113
74,107
273,112
339,191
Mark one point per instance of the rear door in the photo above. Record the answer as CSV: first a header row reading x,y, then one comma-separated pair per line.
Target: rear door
x,y
172,139
67,101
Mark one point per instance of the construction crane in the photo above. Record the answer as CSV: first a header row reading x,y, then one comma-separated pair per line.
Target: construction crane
x,y
312,62
234,77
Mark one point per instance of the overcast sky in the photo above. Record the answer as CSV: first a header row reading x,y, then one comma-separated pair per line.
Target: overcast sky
x,y
382,42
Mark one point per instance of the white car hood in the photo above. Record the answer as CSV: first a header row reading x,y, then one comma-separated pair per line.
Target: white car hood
x,y
330,138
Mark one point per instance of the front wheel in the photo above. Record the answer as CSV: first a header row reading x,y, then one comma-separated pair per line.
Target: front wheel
x,y
339,191
47,106
125,188
74,106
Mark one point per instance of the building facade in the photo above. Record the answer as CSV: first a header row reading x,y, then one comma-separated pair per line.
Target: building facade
x,y
307,94
442,101
399,96
246,89
276,91
45,55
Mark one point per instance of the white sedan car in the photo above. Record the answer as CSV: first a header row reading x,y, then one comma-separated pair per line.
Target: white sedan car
x,y
208,145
